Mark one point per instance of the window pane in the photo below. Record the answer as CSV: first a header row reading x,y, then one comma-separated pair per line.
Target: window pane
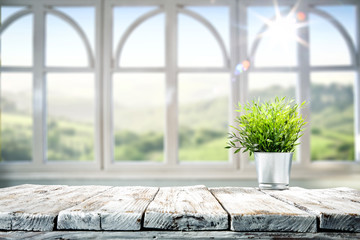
x,y
16,116
17,43
278,41
219,17
85,18
139,117
346,15
332,116
70,121
123,17
328,47
197,45
145,46
203,117
268,86
64,47
7,11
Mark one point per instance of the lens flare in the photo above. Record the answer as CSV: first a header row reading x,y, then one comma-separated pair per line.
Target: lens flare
x,y
246,64
242,67
301,16
239,68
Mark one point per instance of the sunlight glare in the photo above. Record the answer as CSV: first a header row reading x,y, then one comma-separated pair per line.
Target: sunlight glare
x,y
283,29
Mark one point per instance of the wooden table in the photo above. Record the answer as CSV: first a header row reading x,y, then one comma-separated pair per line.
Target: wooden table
x,y
58,211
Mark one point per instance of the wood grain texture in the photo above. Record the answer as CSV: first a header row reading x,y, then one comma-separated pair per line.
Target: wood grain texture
x,y
173,235
185,208
8,195
252,210
335,210
35,207
342,192
119,208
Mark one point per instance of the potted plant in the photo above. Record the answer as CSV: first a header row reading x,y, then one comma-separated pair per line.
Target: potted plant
x,y
269,130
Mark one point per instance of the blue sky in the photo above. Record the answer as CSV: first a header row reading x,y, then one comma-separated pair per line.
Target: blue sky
x,y
194,40
197,47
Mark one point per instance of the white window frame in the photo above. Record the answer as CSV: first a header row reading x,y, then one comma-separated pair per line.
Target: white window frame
x,y
103,166
39,163
171,163
305,167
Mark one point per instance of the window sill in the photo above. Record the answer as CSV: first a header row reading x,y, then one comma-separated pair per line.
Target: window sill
x,y
189,171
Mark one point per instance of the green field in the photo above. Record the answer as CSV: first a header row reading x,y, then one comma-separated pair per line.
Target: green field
x,y
332,134
66,140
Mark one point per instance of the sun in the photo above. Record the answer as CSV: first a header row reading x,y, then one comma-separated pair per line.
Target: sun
x,y
283,29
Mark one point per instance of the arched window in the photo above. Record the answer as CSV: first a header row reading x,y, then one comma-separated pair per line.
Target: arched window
x,y
138,93
70,94
332,92
203,96
16,86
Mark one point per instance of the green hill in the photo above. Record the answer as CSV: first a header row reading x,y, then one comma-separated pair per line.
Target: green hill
x,y
203,128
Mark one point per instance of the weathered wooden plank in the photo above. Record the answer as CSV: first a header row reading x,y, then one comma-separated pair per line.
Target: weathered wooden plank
x,y
185,208
252,210
19,188
342,192
335,212
9,197
35,208
119,208
173,235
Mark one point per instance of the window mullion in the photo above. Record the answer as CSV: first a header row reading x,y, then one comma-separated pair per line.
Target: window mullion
x,y
171,128
107,61
242,78
357,88
39,101
236,19
304,85
99,84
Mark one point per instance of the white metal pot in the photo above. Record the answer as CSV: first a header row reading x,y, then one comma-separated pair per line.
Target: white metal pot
x,y
273,169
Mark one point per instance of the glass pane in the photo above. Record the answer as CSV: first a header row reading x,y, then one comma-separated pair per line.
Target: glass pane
x,y
7,11
346,15
145,46
203,117
332,116
218,17
70,119
17,43
256,17
139,111
197,46
16,116
328,47
278,41
85,18
123,17
267,86
64,47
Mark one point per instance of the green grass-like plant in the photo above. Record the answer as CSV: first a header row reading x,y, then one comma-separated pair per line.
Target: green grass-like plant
x,y
273,126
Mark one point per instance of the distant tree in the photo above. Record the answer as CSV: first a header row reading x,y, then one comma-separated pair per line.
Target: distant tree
x,y
15,146
7,105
